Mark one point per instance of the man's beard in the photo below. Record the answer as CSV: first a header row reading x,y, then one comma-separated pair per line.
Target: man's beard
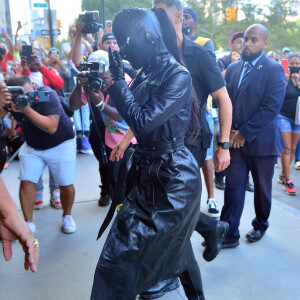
x,y
252,56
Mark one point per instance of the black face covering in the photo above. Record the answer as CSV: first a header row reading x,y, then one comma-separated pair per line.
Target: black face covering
x,y
2,50
139,37
294,70
186,30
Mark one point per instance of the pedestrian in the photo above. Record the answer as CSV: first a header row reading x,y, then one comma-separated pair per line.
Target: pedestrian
x,y
256,86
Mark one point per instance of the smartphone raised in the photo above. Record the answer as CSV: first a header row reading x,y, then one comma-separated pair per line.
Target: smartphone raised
x,y
27,52
285,64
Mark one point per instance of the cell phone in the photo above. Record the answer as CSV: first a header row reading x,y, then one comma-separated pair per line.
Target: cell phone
x,y
285,64
27,52
19,23
108,23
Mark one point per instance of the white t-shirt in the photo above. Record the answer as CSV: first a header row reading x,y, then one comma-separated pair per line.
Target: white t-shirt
x,y
66,47
37,78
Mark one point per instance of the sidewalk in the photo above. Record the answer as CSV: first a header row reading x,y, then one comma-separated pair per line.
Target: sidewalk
x,y
267,270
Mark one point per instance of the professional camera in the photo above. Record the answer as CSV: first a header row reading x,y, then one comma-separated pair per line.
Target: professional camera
x,y
92,71
90,19
21,100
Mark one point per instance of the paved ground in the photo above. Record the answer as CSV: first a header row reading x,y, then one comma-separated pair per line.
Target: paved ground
x,y
267,270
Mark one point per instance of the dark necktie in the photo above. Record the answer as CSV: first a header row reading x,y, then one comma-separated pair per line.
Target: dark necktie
x,y
248,69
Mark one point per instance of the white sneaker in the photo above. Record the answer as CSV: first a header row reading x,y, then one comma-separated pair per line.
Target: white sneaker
x,y
32,227
212,207
88,152
68,224
55,198
297,165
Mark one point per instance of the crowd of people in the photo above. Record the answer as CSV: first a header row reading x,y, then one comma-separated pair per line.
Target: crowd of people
x,y
121,99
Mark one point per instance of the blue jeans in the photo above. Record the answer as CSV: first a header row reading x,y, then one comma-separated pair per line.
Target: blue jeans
x,y
297,153
82,118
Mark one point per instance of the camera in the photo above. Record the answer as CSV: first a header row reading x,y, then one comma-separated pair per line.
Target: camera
x,y
21,100
92,71
90,19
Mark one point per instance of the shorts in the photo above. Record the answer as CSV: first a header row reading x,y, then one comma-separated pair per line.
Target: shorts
x,y
210,121
288,125
61,160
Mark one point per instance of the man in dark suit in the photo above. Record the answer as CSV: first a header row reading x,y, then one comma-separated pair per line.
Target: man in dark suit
x,y
256,86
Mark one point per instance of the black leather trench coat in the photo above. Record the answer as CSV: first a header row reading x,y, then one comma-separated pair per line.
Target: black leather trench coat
x,y
150,236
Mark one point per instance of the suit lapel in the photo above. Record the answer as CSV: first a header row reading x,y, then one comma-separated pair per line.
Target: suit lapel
x,y
236,80
253,73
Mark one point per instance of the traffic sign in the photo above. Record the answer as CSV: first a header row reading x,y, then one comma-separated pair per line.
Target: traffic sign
x,y
47,32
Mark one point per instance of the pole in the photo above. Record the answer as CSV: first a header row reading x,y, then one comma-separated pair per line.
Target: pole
x,y
8,19
103,13
50,24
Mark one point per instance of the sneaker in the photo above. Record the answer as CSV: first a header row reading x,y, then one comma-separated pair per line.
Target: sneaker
x,y
297,164
55,198
219,182
88,152
38,202
32,227
212,207
290,187
281,179
68,224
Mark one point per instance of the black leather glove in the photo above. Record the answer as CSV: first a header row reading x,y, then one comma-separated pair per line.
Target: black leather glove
x,y
116,66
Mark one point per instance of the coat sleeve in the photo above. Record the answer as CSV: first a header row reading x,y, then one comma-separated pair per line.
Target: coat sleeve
x,y
55,80
274,93
174,94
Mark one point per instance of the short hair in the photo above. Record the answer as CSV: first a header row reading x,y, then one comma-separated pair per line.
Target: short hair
x,y
294,54
18,80
170,3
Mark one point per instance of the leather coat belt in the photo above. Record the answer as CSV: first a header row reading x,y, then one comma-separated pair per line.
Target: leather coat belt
x,y
174,145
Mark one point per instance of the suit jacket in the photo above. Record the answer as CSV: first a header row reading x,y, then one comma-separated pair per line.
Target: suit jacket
x,y
257,104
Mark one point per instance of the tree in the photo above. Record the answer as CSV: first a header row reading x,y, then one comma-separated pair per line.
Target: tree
x,y
114,6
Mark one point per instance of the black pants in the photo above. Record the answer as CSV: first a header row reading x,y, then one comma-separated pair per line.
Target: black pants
x,y
205,224
108,172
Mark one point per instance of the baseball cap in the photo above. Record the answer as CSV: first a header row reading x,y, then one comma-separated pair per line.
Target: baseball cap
x,y
108,36
236,35
53,49
285,49
101,57
191,12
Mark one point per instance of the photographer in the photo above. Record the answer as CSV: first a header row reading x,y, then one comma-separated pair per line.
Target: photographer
x,y
49,140
107,122
40,74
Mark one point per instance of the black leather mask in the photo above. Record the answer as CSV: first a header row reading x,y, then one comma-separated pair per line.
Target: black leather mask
x,y
139,37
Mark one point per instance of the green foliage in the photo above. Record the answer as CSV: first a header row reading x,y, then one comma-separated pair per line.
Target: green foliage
x,y
113,6
277,17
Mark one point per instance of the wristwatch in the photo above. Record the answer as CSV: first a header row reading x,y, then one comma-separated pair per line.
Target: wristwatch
x,y
225,145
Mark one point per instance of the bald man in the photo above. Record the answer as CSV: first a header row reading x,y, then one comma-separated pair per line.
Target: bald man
x,y
256,86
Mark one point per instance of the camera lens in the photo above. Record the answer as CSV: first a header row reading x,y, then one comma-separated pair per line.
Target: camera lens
x,y
21,102
95,86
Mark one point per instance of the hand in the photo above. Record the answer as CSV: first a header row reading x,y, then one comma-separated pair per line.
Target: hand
x,y
96,97
24,63
5,36
79,26
81,79
235,57
5,97
15,109
13,228
36,62
221,159
118,151
236,139
116,66
295,79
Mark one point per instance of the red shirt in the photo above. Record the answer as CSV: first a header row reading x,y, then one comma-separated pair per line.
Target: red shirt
x,y
3,63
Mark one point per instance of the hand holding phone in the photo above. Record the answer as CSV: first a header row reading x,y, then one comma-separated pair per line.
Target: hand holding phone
x,y
27,52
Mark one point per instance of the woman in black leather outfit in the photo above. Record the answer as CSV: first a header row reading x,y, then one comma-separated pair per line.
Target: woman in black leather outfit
x,y
149,240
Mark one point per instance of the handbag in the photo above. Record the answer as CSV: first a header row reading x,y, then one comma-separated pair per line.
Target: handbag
x,y
297,114
65,103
